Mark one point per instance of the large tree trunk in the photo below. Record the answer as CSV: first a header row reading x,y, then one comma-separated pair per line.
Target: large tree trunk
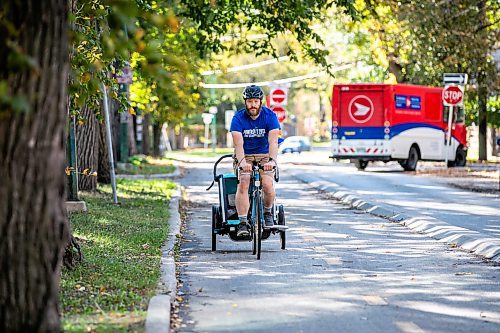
x,y
32,161
87,151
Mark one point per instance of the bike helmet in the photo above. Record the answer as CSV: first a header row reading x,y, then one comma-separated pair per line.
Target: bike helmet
x,y
253,91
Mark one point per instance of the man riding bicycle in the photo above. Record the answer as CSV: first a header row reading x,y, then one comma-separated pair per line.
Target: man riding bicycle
x,y
255,130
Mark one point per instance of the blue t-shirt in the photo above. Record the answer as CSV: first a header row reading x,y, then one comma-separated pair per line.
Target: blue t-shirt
x,y
255,132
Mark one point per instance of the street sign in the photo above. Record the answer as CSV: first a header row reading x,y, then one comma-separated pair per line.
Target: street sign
x,y
278,96
455,78
453,95
280,112
124,75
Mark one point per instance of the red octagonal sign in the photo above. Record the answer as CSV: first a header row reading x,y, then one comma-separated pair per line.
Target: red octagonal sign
x,y
453,95
280,113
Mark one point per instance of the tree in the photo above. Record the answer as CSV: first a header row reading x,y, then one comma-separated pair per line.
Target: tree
x,y
33,64
419,41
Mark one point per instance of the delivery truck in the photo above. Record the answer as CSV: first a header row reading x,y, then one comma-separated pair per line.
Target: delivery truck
x,y
401,122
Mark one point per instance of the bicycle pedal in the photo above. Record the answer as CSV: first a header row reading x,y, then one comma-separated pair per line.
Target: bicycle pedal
x,y
280,227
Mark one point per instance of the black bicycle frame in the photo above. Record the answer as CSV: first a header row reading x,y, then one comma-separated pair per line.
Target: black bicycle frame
x,y
255,191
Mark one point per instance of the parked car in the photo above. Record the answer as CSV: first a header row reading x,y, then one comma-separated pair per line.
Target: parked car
x,y
295,144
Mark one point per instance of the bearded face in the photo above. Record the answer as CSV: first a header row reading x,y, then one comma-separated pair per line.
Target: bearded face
x,y
253,106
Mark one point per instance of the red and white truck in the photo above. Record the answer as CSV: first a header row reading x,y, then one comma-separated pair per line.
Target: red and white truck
x,y
404,123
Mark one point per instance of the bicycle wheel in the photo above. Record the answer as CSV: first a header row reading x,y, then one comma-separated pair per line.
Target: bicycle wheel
x,y
281,221
254,236
258,224
214,227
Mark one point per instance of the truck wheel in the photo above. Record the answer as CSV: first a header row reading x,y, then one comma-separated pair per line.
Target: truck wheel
x,y
411,163
360,164
461,157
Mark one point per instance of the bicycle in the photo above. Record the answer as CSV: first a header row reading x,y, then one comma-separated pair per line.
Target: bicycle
x,y
225,218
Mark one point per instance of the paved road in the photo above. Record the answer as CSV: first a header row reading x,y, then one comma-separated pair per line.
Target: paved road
x,y
413,195
342,271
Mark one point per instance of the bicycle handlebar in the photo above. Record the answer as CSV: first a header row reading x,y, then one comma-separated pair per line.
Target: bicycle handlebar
x,y
255,163
215,169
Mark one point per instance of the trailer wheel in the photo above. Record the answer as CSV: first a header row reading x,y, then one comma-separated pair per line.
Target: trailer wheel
x,y
360,164
411,163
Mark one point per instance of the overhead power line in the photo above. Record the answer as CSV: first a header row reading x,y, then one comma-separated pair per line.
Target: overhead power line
x,y
249,66
267,83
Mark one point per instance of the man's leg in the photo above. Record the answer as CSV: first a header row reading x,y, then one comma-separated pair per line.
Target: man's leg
x,y
243,203
269,195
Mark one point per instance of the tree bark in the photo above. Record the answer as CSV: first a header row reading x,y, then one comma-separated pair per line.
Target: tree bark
x,y
482,96
146,138
32,161
482,92
114,116
131,136
156,139
87,151
103,167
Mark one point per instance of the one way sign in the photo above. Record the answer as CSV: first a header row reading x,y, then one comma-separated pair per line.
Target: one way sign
x,y
455,78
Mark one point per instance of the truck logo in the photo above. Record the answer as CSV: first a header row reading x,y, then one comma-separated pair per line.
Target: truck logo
x,y
360,109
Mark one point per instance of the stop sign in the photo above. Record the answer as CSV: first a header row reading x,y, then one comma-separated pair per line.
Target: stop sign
x,y
453,95
278,96
280,112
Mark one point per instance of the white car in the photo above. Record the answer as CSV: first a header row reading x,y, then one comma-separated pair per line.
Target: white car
x,y
295,144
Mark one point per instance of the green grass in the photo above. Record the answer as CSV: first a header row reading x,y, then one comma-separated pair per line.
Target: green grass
x,y
110,290
146,165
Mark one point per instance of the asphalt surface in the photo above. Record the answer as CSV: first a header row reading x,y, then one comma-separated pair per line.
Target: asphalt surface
x,y
413,195
344,270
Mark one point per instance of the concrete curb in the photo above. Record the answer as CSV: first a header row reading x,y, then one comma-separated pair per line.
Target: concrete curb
x,y
158,316
472,241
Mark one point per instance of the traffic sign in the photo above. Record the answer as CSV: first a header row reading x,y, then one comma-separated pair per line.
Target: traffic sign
x,y
125,75
278,96
280,112
455,78
453,95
